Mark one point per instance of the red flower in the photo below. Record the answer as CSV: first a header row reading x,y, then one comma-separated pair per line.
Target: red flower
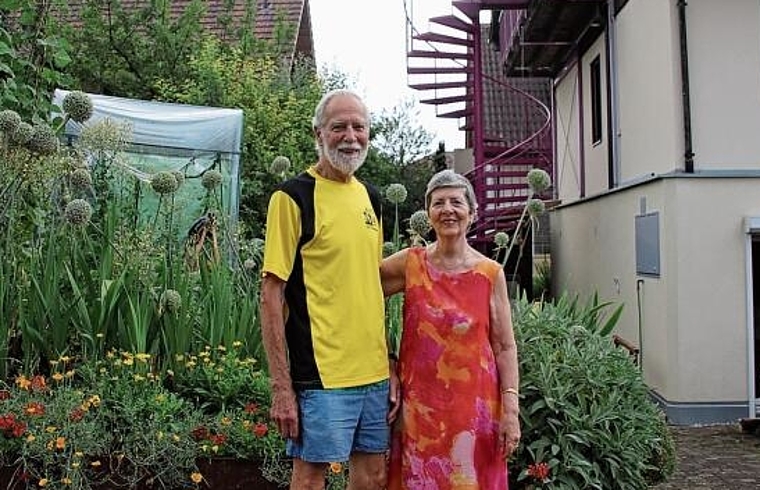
x,y
260,430
539,471
217,439
18,429
251,408
5,395
76,415
38,383
199,433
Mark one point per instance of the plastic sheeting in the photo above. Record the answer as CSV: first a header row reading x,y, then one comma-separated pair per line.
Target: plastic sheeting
x,y
168,136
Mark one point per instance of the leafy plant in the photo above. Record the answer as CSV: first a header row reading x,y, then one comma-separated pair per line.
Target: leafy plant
x,y
586,415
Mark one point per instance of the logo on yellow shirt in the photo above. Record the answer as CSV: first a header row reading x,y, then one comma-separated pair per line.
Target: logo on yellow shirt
x,y
370,221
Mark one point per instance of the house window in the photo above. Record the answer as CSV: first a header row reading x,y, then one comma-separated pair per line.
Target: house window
x,y
596,101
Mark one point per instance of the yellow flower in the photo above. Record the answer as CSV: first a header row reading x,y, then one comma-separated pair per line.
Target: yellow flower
x,y
23,383
43,482
79,454
30,438
50,429
336,468
66,481
196,477
139,377
237,343
143,357
226,421
57,376
70,373
95,464
75,464
100,335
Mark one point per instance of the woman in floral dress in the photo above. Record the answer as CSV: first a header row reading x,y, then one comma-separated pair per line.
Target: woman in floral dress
x,y
457,369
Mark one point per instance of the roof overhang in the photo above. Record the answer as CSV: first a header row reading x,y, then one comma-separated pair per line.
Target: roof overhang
x,y
551,32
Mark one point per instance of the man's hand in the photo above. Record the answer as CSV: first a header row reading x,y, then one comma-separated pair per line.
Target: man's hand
x,y
284,412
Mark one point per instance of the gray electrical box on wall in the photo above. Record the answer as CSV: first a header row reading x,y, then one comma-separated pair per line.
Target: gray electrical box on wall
x,y
648,244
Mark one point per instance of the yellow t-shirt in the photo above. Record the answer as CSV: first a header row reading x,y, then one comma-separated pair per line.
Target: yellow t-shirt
x,y
325,239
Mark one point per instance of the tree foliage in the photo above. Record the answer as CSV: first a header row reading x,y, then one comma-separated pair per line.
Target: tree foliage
x,y
399,137
33,57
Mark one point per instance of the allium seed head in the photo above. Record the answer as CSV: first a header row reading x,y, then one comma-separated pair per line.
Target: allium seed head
x,y
9,121
536,207
279,165
211,179
501,239
78,106
78,212
419,222
249,264
396,193
179,177
171,300
80,179
164,182
43,140
388,248
538,180
22,134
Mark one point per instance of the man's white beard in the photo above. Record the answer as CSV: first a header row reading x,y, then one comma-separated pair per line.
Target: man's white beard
x,y
347,165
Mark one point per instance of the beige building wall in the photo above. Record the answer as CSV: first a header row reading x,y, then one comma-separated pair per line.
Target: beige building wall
x,y
724,74
693,320
648,65
596,155
567,146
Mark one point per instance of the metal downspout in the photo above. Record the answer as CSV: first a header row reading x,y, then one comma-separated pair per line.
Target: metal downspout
x,y
685,92
613,104
581,131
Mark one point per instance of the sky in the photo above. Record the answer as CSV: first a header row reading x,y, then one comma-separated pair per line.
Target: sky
x,y
366,40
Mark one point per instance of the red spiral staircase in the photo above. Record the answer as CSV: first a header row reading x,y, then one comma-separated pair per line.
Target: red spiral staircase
x,y
458,67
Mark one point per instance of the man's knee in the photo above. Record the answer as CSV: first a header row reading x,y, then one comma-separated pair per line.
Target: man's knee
x,y
368,472
307,476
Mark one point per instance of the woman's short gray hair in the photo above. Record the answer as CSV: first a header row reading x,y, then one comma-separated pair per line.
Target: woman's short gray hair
x,y
319,112
449,178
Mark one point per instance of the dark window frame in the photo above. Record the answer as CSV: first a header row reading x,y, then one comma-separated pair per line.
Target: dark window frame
x,y
595,69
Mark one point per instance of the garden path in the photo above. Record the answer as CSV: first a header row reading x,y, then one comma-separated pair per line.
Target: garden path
x,y
715,457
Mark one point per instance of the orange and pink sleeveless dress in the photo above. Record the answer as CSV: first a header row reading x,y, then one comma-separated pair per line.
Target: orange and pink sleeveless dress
x,y
446,437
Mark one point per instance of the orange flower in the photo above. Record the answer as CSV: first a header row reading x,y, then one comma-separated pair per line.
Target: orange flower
x,y
196,477
34,408
336,468
60,443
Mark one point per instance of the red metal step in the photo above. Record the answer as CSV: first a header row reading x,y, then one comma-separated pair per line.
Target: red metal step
x,y
440,85
457,114
448,100
427,70
435,37
430,54
454,22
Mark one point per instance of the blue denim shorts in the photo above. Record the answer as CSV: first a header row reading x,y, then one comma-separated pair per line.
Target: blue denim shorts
x,y
338,422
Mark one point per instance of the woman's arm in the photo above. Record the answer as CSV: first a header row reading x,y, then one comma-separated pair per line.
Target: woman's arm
x,y
393,272
505,353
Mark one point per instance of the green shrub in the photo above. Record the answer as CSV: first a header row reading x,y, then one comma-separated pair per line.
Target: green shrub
x,y
586,413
